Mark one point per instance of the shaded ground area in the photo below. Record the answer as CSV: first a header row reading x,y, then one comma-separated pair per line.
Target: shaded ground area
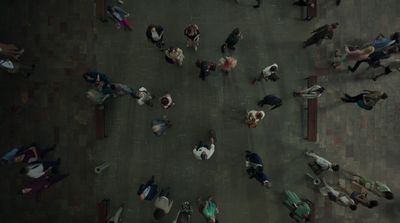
x,y
64,39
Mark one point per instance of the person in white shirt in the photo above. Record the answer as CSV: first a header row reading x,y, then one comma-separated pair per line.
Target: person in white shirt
x,y
204,152
314,91
253,117
162,204
166,100
320,164
269,73
339,197
39,168
143,97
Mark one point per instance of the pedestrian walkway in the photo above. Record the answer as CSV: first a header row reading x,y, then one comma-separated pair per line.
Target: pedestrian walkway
x,y
64,38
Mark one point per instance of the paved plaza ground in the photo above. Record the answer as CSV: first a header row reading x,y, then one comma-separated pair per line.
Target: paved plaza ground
x,y
64,39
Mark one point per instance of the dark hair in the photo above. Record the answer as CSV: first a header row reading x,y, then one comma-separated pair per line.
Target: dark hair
x,y
109,8
353,207
236,31
334,25
203,156
112,86
273,68
388,195
158,214
335,167
384,96
372,204
322,89
164,101
23,171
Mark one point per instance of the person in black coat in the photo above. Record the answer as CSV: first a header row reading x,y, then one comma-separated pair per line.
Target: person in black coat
x,y
232,40
148,191
272,100
323,32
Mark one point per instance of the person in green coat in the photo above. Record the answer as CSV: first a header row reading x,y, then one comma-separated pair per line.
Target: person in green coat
x,y
209,209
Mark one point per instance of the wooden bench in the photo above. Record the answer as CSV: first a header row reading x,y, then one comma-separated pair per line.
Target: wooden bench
x,y
103,208
312,111
311,10
100,121
100,10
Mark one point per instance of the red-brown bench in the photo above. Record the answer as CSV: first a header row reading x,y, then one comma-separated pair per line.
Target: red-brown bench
x,y
100,121
312,112
103,208
311,10
100,9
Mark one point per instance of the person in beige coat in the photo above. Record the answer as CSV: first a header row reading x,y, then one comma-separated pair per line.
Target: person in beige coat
x,y
163,204
174,55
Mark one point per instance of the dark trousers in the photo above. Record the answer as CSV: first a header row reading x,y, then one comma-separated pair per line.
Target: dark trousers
x,y
314,39
358,63
353,99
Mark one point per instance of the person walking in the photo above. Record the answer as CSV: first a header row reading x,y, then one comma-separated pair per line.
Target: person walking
x,y
312,92
320,164
96,78
323,32
227,64
192,34
374,59
155,34
378,188
119,16
253,117
148,191
159,126
143,96
255,168
203,151
209,209
11,51
361,198
163,204
36,186
174,55
366,100
337,196
166,101
40,168
205,68
271,100
232,40
268,74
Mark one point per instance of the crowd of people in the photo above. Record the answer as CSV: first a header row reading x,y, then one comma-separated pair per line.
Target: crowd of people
x,y
102,89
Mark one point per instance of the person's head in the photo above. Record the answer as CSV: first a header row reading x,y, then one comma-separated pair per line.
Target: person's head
x,y
353,207
110,9
164,101
259,115
273,68
203,156
384,96
335,167
388,195
23,170
158,214
372,204
332,197
236,31
112,86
